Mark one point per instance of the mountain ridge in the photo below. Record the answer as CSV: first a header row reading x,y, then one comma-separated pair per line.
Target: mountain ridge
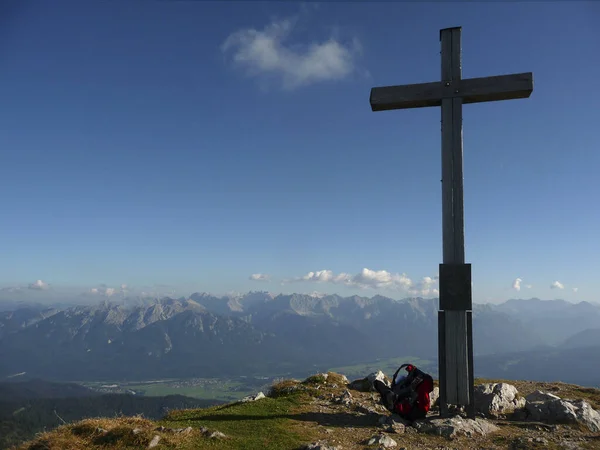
x,y
204,335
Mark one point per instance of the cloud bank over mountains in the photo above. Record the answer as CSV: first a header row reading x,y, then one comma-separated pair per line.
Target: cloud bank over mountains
x,y
387,283
373,279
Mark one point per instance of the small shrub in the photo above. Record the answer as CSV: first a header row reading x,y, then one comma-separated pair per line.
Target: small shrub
x,y
316,379
336,378
284,388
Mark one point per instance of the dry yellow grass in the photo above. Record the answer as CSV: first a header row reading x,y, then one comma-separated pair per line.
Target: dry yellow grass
x,y
115,433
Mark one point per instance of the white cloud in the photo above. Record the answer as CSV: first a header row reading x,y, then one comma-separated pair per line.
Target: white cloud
x,y
517,284
267,52
326,276
260,277
557,285
103,290
427,286
381,279
575,289
373,279
528,286
39,285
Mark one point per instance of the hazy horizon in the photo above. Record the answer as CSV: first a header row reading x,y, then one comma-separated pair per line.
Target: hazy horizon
x,y
76,295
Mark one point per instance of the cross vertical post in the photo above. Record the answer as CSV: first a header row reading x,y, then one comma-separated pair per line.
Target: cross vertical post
x,y
456,386
455,315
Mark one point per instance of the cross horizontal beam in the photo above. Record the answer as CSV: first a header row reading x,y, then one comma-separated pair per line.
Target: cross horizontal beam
x,y
471,90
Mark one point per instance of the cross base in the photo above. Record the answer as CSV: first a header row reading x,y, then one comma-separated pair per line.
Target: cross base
x,y
455,339
455,361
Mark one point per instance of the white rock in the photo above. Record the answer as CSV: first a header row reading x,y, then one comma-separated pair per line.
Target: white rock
x,y
492,399
563,411
154,442
587,415
366,384
253,398
379,375
434,396
397,427
383,440
217,435
539,396
456,426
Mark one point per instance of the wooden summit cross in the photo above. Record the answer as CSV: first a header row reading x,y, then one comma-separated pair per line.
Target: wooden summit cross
x,y
455,323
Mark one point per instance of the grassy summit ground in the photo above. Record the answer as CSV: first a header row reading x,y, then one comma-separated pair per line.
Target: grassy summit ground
x,y
298,413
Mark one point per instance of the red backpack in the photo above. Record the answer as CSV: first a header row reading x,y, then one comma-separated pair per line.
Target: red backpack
x,y
413,391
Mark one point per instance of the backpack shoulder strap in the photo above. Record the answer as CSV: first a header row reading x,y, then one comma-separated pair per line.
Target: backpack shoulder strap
x,y
397,371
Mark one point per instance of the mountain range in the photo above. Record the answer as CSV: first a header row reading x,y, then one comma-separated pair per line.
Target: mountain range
x,y
261,333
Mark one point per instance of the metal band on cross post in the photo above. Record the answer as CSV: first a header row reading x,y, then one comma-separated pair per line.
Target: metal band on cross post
x,y
455,323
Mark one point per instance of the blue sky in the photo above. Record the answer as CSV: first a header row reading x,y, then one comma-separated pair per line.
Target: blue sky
x,y
184,146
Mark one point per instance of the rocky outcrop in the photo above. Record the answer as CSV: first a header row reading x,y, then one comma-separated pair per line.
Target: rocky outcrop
x,y
549,408
539,396
494,399
366,384
455,426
